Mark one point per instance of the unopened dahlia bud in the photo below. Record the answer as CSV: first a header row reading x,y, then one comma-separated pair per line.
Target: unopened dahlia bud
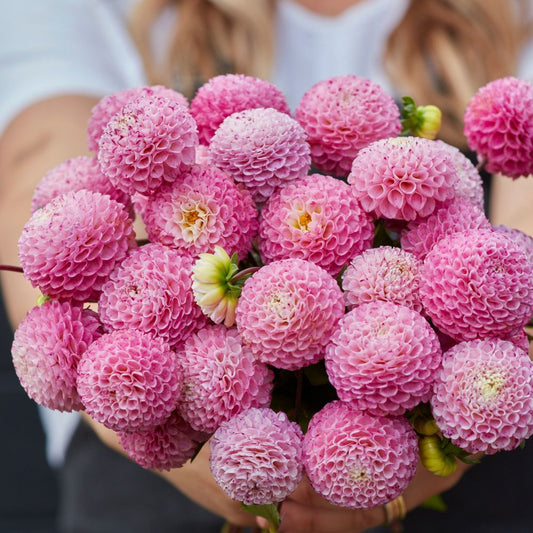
x,y
421,121
434,458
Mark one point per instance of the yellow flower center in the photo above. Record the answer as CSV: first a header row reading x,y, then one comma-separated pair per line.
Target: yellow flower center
x,y
489,385
194,218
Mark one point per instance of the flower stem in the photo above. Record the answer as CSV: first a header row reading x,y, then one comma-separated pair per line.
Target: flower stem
x,y
11,268
244,273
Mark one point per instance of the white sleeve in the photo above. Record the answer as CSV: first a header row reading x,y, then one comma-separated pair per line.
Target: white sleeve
x,y
51,47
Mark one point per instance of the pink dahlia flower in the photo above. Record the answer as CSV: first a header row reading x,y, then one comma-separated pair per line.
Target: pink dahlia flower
x,y
342,115
151,290
315,218
148,143
357,460
70,246
523,240
458,215
226,94
261,149
476,284
129,380
166,446
47,347
385,273
383,357
256,456
403,178
287,312
483,399
498,125
221,378
203,209
112,104
82,172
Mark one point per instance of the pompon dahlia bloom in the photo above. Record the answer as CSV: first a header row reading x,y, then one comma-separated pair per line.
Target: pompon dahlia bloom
x,y
524,240
357,460
477,283
82,172
287,312
129,380
112,104
47,347
70,246
148,143
342,115
202,209
403,178
316,218
166,446
458,215
226,94
382,358
151,290
261,149
483,398
256,456
498,125
386,273
221,378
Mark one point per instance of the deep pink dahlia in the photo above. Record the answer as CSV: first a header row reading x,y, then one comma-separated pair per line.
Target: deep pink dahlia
x,y
261,149
221,378
287,312
357,460
151,290
82,172
166,446
476,284
403,178
384,273
226,94
342,115
524,240
129,380
148,143
47,347
458,215
202,209
256,456
483,399
382,358
498,125
112,104
315,218
70,246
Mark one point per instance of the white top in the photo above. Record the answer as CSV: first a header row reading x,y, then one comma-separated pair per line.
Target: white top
x,y
52,47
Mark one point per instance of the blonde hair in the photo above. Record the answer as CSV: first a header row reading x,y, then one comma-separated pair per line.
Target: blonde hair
x,y
441,52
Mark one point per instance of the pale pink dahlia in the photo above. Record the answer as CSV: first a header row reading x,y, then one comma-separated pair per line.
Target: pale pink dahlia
x,y
316,218
226,94
357,460
483,399
166,446
112,104
261,149
498,125
287,312
129,380
82,172
256,456
458,215
384,273
148,143
221,378
151,290
382,358
342,115
476,284
403,178
524,240
204,208
47,347
70,246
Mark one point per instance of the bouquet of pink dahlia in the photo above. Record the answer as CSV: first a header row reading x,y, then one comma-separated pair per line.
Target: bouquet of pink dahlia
x,y
319,294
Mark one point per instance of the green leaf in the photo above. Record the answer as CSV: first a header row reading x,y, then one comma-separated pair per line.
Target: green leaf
x,y
266,510
435,503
